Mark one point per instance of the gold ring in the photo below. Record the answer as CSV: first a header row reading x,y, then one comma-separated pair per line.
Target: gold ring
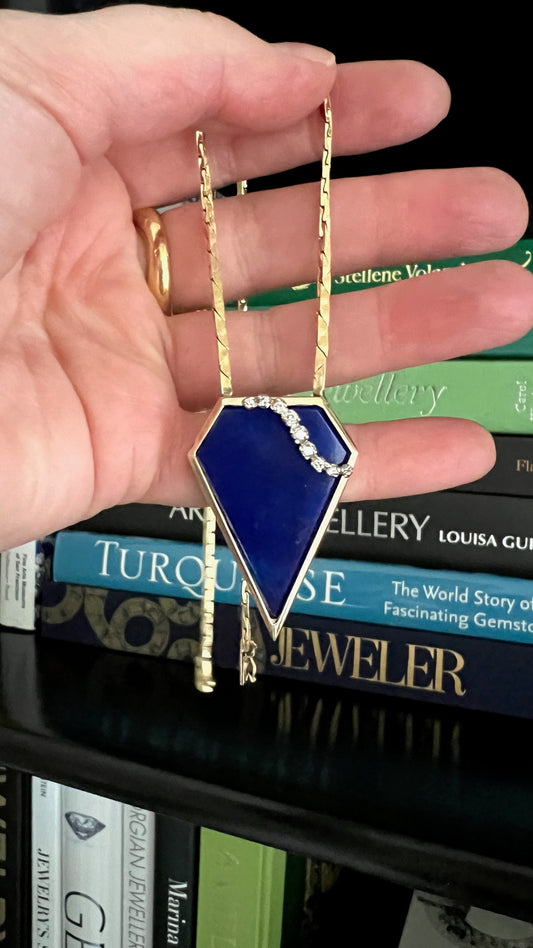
x,y
149,224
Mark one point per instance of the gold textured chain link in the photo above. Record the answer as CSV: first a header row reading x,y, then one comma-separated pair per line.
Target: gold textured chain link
x,y
219,308
203,663
248,648
324,260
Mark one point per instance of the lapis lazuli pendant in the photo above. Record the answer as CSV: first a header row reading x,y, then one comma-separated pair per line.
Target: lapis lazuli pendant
x,y
273,470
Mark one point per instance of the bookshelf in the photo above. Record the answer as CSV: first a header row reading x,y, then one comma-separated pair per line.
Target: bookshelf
x,y
422,796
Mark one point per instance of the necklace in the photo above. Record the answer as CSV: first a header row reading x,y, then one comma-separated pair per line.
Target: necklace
x,y
272,469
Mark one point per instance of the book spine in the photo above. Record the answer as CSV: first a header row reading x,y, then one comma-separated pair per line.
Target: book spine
x,y
46,863
484,604
512,473
138,836
91,869
495,393
175,882
440,668
5,903
18,587
15,846
149,520
446,529
440,530
240,892
521,253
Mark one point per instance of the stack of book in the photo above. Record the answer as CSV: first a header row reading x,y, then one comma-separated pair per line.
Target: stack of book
x,y
82,869
102,872
428,596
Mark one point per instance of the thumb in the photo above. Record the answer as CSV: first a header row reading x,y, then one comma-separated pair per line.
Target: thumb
x,y
72,86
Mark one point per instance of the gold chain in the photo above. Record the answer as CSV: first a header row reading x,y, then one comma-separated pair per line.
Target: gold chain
x,y
203,663
219,309
242,189
248,648
324,261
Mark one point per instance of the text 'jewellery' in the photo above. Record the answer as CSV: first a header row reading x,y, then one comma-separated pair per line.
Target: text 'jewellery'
x,y
271,469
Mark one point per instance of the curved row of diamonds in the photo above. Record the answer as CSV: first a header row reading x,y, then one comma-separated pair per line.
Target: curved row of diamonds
x,y
299,434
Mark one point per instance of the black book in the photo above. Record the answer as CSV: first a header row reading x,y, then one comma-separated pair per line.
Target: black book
x,y
175,882
512,473
15,842
473,532
512,476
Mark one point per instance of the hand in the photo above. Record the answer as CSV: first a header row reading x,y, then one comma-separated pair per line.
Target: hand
x,y
98,390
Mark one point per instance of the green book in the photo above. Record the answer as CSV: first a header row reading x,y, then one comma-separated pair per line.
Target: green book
x,y
249,895
521,253
496,393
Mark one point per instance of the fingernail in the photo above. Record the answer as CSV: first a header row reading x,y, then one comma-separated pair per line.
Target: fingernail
x,y
315,53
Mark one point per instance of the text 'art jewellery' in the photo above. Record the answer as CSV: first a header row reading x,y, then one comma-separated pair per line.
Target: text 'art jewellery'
x,y
272,469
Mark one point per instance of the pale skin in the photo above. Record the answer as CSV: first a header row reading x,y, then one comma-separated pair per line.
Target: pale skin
x,y
100,394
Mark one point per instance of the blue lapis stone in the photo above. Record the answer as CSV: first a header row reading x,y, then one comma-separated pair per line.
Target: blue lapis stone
x,y
273,500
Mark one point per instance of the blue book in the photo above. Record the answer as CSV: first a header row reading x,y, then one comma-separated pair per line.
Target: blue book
x,y
452,670
478,604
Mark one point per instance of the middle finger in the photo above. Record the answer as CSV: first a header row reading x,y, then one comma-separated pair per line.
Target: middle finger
x,y
270,239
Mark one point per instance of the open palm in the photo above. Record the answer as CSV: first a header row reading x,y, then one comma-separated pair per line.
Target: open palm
x,y
100,394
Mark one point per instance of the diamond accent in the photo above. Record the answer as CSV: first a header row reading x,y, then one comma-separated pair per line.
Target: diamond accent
x,y
299,433
308,449
290,417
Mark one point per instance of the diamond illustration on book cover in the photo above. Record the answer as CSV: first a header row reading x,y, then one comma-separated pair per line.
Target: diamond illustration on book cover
x,y
84,826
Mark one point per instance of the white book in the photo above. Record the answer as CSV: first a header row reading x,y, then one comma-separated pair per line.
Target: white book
x,y
46,863
18,586
138,848
433,922
91,831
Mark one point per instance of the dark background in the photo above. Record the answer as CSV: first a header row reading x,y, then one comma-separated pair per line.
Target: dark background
x,y
486,59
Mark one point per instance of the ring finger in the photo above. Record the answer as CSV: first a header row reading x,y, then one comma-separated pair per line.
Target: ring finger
x,y
450,313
